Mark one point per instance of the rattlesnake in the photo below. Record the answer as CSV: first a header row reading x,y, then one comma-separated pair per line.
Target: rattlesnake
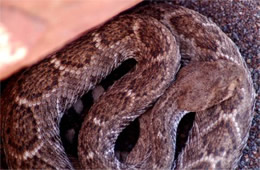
x,y
213,82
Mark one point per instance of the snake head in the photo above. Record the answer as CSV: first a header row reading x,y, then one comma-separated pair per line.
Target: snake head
x,y
205,84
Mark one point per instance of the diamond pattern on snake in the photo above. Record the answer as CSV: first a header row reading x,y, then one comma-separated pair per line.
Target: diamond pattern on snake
x,y
185,63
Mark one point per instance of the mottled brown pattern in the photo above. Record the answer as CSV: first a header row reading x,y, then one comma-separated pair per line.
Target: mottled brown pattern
x,y
213,82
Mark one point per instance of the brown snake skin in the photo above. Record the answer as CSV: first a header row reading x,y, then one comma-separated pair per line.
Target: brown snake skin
x,y
213,82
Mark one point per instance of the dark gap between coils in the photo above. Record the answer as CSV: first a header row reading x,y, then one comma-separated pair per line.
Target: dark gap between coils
x,y
183,131
71,121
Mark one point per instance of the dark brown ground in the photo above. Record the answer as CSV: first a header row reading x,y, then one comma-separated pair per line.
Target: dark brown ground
x,y
240,20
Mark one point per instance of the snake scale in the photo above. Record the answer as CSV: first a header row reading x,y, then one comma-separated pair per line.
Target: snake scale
x,y
185,63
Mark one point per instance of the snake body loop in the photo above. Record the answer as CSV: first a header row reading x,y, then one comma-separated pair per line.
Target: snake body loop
x,y
212,81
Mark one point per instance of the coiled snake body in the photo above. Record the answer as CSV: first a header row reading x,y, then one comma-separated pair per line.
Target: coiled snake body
x,y
213,82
